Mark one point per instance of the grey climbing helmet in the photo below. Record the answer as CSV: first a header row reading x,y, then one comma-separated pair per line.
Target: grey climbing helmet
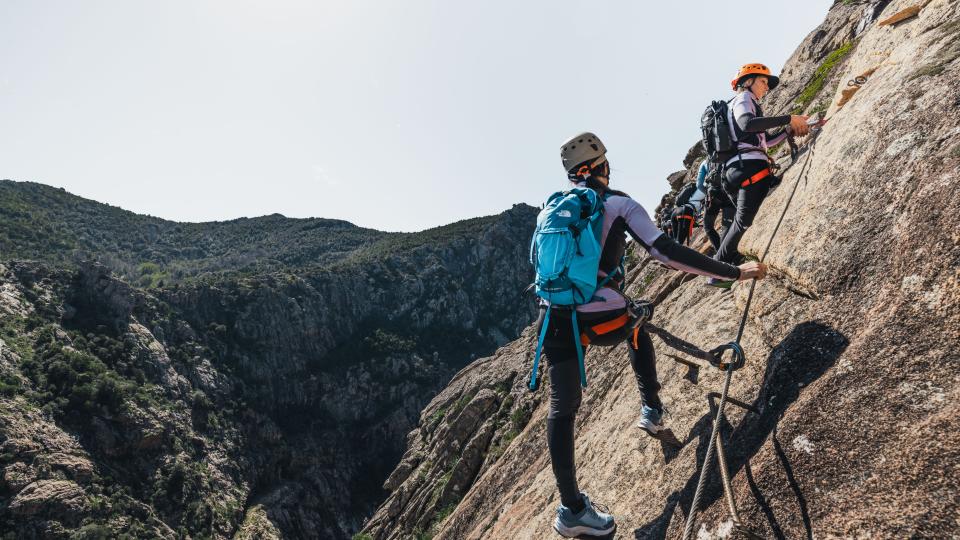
x,y
583,148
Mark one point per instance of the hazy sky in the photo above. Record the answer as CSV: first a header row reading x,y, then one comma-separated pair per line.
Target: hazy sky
x,y
397,115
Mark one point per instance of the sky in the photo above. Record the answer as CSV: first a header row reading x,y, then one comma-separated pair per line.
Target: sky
x,y
397,116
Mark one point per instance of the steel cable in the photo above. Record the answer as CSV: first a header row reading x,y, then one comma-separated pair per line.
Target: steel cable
x,y
691,516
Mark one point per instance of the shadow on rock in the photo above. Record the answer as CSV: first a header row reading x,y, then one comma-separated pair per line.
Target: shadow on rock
x,y
669,444
610,536
797,361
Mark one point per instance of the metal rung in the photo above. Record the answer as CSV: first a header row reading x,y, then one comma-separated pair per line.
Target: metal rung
x,y
733,401
693,367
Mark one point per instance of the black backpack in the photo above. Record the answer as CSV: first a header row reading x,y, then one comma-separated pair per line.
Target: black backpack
x,y
687,191
718,142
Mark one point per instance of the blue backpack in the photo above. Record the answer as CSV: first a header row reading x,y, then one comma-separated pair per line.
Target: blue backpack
x,y
565,251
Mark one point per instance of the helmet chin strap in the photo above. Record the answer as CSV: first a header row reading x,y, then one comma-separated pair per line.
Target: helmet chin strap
x,y
584,172
748,85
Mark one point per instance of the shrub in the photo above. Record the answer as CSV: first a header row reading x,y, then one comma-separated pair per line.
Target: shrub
x,y
93,531
519,418
462,402
498,449
200,400
443,514
386,343
68,380
820,77
9,385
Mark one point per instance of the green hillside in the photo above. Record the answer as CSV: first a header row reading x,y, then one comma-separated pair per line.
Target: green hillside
x,y
43,223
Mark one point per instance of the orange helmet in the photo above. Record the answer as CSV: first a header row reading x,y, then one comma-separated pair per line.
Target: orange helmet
x,y
755,69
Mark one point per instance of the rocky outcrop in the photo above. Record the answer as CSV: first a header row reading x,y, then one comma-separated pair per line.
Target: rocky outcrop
x,y
62,498
850,342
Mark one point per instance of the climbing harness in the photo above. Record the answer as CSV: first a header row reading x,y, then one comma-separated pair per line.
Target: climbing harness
x,y
755,178
640,312
590,333
738,359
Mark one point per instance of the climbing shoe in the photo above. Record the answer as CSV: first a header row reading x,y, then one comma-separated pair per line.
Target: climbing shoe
x,y
651,421
589,521
720,283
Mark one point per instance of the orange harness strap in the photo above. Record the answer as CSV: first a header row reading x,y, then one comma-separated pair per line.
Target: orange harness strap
x,y
606,327
755,178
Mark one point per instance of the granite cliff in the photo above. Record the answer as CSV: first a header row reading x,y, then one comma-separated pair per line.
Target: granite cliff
x,y
157,381
851,340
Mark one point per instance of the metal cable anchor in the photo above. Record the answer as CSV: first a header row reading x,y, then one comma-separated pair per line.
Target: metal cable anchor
x,y
737,360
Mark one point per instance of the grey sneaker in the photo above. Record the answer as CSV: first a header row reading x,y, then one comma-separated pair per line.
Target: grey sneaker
x,y
589,521
651,421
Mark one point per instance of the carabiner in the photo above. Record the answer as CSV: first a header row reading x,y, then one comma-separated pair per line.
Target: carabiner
x,y
738,357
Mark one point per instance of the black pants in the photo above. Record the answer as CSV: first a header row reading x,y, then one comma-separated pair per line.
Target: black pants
x,y
681,220
748,198
717,203
565,393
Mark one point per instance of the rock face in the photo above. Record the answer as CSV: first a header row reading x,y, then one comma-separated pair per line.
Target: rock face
x,y
249,404
62,498
850,342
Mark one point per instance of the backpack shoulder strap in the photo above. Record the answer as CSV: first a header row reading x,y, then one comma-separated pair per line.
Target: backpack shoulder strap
x,y
536,360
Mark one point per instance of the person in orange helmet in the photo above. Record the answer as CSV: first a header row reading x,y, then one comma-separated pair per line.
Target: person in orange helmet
x,y
748,177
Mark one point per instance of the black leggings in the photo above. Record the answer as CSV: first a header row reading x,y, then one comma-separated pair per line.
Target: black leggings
x,y
718,203
748,198
565,393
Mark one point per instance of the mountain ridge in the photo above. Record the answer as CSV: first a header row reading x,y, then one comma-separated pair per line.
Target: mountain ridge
x,y
52,225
